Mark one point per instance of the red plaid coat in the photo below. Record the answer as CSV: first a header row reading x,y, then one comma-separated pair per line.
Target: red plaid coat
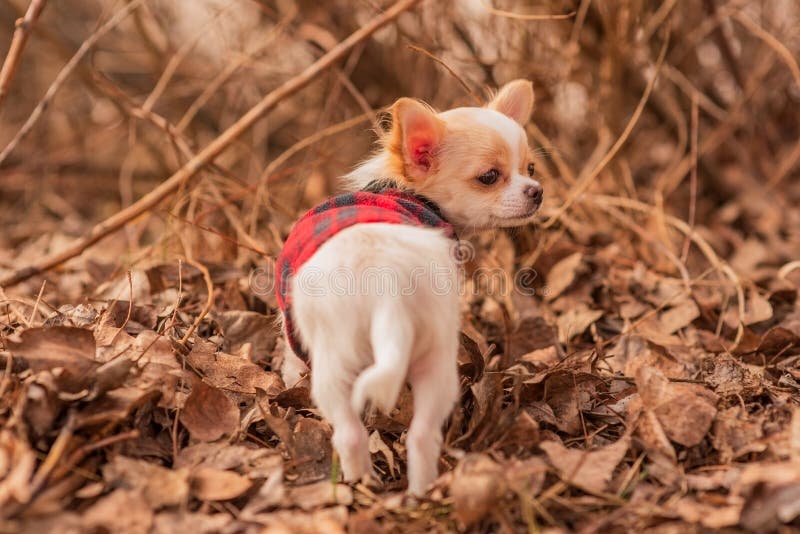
x,y
378,203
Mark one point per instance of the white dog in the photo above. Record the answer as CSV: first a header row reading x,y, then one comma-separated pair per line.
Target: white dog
x,y
367,281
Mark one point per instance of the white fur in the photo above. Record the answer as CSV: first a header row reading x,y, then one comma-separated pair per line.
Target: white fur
x,y
378,305
367,171
508,129
375,306
513,203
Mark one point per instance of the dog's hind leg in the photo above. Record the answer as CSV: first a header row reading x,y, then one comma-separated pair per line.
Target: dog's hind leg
x,y
331,387
435,386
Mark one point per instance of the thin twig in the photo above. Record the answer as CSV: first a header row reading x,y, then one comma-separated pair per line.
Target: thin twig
x,y
38,301
209,300
519,16
453,73
734,119
230,69
177,58
55,454
696,238
64,73
82,452
789,161
692,178
583,184
219,234
22,31
6,373
210,152
784,271
276,163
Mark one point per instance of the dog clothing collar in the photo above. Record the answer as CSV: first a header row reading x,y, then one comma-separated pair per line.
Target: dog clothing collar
x,y
381,201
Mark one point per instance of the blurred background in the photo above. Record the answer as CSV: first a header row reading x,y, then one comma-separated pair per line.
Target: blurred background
x,y
177,73
667,137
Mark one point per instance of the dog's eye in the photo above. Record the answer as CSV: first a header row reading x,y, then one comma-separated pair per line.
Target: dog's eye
x,y
489,178
531,169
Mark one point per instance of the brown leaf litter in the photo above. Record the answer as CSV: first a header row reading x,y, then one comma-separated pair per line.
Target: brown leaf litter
x,y
631,364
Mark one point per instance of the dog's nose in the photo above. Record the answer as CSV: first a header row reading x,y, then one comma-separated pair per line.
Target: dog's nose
x,y
534,192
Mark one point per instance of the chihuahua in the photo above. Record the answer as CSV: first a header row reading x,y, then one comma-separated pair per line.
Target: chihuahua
x,y
367,282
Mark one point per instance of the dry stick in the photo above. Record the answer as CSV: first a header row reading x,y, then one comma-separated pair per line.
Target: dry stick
x,y
357,95
692,177
6,373
657,19
22,31
219,234
563,167
583,184
276,163
732,120
229,70
183,146
786,164
518,16
177,58
38,301
55,454
441,62
209,301
784,271
580,19
87,45
83,451
686,85
234,221
210,152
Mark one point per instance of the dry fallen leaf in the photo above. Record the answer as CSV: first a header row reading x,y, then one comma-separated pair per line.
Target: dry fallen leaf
x,y
575,321
123,511
376,445
685,411
240,327
194,523
233,373
319,494
562,274
478,484
66,351
770,506
632,327
735,433
209,414
160,487
678,316
588,470
709,515
312,450
210,484
17,462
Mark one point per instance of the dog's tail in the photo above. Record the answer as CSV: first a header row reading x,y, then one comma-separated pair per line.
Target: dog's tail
x,y
391,335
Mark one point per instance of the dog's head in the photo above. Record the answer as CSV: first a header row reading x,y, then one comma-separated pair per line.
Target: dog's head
x,y
474,162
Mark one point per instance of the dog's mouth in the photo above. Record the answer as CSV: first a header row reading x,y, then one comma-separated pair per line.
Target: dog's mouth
x,y
517,220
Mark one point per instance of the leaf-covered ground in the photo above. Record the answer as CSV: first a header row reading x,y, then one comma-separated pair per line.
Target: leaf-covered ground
x,y
613,402
631,362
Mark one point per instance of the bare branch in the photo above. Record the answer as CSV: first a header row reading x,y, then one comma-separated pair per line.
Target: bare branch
x,y
24,28
210,152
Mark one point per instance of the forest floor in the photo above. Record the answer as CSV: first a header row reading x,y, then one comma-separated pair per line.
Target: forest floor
x,y
632,364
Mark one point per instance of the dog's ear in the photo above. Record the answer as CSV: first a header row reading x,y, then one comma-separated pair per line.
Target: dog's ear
x,y
515,99
416,136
